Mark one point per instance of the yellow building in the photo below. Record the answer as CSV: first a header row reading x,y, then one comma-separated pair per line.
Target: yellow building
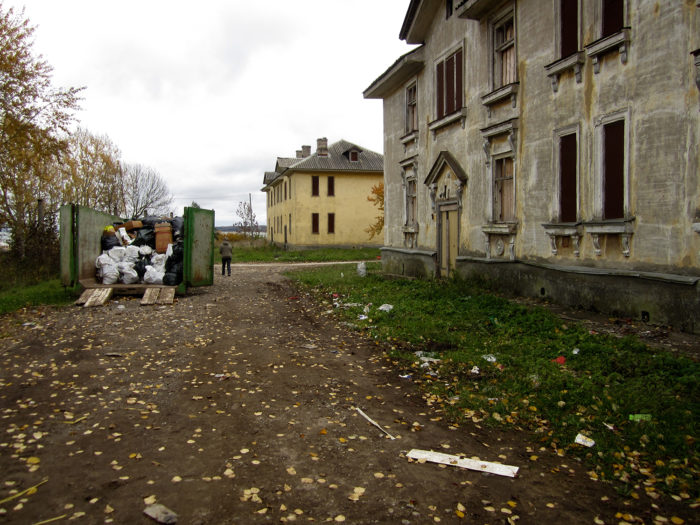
x,y
320,199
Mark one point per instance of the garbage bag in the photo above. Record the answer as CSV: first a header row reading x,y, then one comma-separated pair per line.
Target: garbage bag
x,y
158,261
110,274
172,279
146,250
151,221
117,253
178,225
109,241
129,276
145,237
140,267
152,276
132,254
103,260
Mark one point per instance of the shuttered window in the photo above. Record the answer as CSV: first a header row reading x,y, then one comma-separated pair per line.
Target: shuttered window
x,y
448,75
314,223
411,115
614,170
505,71
613,17
503,194
331,186
567,178
314,185
568,27
331,223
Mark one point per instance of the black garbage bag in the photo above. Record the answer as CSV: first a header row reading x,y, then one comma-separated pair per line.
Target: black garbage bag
x,y
176,257
173,276
140,267
151,221
178,224
145,237
108,242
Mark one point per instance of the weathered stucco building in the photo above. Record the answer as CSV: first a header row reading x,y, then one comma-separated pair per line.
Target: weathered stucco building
x,y
320,199
552,147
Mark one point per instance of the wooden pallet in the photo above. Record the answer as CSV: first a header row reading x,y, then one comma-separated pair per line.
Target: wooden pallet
x,y
158,296
94,297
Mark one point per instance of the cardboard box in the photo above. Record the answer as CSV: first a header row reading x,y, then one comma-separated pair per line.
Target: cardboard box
x,y
133,225
164,236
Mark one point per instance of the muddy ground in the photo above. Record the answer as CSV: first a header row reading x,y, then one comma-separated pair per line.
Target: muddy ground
x,y
236,405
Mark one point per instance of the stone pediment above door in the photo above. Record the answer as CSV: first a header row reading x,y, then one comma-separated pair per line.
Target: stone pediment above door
x,y
446,179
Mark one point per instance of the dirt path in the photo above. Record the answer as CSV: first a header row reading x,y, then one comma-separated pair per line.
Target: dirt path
x,y
236,405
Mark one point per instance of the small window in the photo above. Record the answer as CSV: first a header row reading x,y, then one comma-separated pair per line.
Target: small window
x,y
331,223
411,114
503,192
504,67
613,17
449,84
314,223
448,9
314,185
568,28
354,157
567,178
285,190
290,224
331,181
614,170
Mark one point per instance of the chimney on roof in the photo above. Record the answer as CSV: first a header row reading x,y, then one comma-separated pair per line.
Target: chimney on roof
x,y
322,147
299,154
305,151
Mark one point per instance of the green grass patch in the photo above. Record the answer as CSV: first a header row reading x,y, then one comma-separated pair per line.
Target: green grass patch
x,y
603,381
273,253
44,293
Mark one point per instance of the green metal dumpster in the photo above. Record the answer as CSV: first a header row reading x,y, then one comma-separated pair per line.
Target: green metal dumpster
x,y
80,243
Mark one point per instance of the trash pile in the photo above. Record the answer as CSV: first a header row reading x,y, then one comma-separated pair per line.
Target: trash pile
x,y
148,251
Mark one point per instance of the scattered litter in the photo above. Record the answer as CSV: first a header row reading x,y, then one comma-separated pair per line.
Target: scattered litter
x,y
559,360
310,346
362,317
575,351
489,357
366,308
386,307
640,417
609,426
456,461
222,377
475,370
373,422
405,376
121,307
293,298
161,514
114,354
361,269
584,440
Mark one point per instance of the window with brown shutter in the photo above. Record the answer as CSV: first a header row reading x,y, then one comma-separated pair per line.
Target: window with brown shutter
x,y
331,223
314,185
567,178
505,71
614,170
449,84
503,193
331,186
314,223
411,114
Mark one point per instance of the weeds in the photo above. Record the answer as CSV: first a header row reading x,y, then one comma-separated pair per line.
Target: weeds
x,y
505,364
46,292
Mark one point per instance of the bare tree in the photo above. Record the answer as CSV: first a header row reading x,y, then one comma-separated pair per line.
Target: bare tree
x,y
248,222
144,189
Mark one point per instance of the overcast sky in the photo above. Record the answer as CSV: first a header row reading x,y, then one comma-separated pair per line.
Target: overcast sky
x,y
210,93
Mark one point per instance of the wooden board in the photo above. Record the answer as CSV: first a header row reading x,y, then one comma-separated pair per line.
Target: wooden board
x,y
84,297
150,296
456,461
158,296
166,296
99,296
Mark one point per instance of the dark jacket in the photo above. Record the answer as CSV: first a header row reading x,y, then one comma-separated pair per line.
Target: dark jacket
x,y
225,250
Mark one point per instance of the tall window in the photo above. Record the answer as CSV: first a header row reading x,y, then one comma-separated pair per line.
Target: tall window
x,y
503,194
613,17
314,223
411,201
449,84
331,186
567,178
411,114
285,190
448,9
314,185
290,224
614,170
504,67
331,223
568,28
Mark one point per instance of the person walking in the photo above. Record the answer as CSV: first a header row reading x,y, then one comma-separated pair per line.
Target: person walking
x,y
226,251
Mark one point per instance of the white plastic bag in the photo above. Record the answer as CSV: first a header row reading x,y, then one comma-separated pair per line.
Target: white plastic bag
x,y
145,250
103,260
153,276
117,253
361,269
110,274
129,276
158,261
132,253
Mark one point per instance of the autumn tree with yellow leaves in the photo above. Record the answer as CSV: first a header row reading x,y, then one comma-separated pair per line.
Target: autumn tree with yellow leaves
x,y
377,198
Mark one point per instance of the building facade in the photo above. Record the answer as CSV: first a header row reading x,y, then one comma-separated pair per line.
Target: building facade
x,y
553,151
321,199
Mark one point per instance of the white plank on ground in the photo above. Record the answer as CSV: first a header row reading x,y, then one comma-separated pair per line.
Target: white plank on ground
x,y
456,461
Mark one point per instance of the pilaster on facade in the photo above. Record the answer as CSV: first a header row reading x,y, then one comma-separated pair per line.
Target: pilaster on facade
x,y
619,42
556,69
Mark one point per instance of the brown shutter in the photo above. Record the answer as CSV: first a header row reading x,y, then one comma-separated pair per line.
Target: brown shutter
x,y
614,170
331,223
314,223
567,178
331,183
314,185
440,89
613,16
450,85
459,84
